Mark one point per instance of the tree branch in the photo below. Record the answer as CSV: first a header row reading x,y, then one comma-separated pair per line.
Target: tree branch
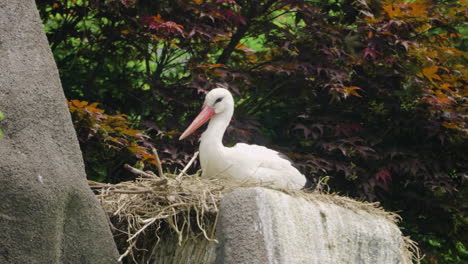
x,y
236,38
224,57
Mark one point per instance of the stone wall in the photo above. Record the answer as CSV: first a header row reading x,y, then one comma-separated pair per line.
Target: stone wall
x,y
258,225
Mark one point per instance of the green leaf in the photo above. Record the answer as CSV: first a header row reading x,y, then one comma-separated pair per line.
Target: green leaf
x,y
461,248
434,243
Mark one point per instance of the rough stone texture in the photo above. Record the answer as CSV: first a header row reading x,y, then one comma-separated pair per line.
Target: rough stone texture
x,y
196,250
47,212
258,225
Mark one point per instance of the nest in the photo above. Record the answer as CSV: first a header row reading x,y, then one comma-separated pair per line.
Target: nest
x,y
145,211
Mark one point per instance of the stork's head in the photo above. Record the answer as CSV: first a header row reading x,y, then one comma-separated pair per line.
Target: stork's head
x,y
217,102
219,99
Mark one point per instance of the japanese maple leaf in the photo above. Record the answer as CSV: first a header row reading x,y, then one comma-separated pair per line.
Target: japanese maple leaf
x,y
369,52
172,27
383,178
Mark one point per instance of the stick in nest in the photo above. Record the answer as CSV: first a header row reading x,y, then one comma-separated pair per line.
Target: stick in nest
x,y
158,161
138,172
129,249
188,164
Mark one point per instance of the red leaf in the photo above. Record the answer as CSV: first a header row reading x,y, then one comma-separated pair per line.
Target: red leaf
x,y
369,52
172,27
383,178
128,3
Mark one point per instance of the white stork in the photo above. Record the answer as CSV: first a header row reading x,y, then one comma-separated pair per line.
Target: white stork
x,y
242,162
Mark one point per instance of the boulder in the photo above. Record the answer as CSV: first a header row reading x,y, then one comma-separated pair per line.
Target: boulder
x,y
48,214
258,225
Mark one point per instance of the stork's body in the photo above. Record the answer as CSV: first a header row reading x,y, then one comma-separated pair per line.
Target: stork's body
x,y
249,163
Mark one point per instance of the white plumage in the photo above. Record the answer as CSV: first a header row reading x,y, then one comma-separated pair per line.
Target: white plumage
x,y
242,162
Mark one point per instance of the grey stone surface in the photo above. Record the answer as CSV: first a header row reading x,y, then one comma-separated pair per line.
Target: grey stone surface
x,y
47,212
258,225
195,250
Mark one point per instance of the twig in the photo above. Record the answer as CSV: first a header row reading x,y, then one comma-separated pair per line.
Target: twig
x,y
95,184
130,192
188,164
158,161
152,220
127,251
138,172
160,182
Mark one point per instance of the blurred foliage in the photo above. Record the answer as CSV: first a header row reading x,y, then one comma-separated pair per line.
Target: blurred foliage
x,y
370,93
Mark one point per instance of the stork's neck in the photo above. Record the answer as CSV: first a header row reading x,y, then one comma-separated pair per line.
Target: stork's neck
x,y
213,135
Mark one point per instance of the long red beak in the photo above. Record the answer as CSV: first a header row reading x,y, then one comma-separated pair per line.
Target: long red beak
x,y
206,114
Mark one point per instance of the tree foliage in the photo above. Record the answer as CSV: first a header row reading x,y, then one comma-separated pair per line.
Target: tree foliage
x,y
108,141
370,93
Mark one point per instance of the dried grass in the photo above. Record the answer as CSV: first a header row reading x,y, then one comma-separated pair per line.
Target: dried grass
x,y
144,210
185,206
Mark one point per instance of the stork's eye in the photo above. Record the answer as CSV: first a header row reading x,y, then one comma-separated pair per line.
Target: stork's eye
x,y
218,100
